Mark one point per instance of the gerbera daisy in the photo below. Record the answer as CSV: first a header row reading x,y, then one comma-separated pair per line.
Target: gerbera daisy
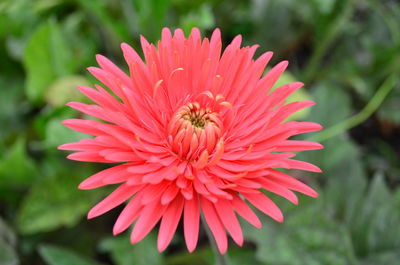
x,y
194,132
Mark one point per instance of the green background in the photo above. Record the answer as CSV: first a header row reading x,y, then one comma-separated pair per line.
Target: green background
x,y
346,51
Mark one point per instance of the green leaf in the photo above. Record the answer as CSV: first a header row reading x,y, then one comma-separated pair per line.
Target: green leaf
x,y
307,233
114,30
151,16
23,168
65,89
124,253
324,7
387,257
376,227
242,255
54,202
11,118
60,256
201,18
346,178
57,134
333,104
8,255
7,234
202,256
47,57
319,231
44,5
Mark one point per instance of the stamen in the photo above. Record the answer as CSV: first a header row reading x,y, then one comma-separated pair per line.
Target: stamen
x,y
196,133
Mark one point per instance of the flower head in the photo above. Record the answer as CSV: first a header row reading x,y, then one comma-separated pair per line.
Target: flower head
x,y
194,131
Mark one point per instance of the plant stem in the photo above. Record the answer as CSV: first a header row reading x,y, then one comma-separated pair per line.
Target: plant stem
x,y
220,259
364,114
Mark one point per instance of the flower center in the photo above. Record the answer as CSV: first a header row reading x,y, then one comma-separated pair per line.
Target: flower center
x,y
192,130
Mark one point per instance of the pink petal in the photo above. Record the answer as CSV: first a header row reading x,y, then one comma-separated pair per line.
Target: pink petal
x,y
88,156
149,216
245,211
303,126
169,223
118,196
291,183
229,220
291,108
268,81
121,156
169,194
110,67
97,180
153,192
104,100
215,225
129,214
296,164
278,189
294,145
191,220
82,145
83,126
264,204
282,92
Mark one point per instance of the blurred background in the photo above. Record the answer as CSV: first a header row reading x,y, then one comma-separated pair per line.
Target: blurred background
x,y
346,51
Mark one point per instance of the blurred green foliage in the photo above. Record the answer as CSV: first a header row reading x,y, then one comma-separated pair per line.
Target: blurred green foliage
x,y
346,51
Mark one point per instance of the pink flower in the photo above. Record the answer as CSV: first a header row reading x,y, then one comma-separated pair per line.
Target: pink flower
x,y
194,131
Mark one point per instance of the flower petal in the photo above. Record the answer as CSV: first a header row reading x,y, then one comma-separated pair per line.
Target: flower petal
x,y
264,204
169,223
118,196
215,225
149,216
191,220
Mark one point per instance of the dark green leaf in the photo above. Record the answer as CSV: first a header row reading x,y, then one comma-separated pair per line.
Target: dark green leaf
x,y
57,134
54,202
11,118
333,104
23,168
47,57
124,253
59,256
8,255
307,233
